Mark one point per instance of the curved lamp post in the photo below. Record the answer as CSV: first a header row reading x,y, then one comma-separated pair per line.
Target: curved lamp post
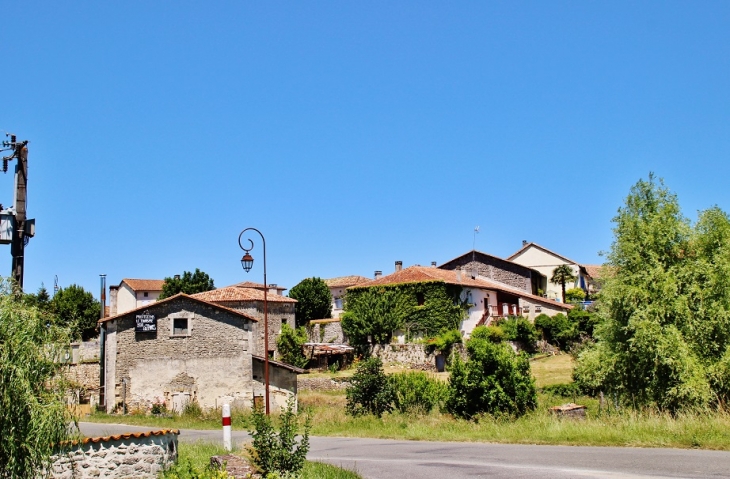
x,y
247,263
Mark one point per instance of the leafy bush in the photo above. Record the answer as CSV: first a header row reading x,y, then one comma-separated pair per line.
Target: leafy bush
x,y
279,453
557,330
584,321
494,380
369,391
416,392
494,334
566,390
575,295
517,328
290,343
444,342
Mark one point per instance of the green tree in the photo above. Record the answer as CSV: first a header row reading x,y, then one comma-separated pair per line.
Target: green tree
x,y
40,299
665,309
314,300
188,283
494,380
369,391
32,388
290,343
562,275
76,309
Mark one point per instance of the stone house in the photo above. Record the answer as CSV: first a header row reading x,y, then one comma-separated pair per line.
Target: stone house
x,y
248,298
182,349
487,299
544,261
338,286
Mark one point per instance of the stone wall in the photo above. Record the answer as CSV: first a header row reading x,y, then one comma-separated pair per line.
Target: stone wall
x,y
138,455
410,355
493,268
278,313
321,384
326,332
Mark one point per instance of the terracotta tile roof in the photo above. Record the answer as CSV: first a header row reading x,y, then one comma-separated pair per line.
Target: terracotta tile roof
x,y
236,293
119,437
422,274
251,284
177,296
593,270
144,284
345,281
567,260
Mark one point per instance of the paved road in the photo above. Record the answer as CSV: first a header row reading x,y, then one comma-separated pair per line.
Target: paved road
x,y
387,459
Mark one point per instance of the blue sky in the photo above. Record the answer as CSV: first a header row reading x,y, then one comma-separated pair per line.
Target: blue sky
x,y
352,134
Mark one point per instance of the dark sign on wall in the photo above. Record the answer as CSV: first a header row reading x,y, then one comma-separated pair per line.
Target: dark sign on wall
x,y
146,323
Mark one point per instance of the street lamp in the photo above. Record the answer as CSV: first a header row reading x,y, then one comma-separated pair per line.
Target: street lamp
x,y
247,264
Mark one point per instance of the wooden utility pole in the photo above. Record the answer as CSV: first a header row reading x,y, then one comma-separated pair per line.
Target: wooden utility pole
x,y
23,229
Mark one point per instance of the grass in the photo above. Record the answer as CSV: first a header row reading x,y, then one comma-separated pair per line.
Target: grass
x,y
552,370
193,461
708,430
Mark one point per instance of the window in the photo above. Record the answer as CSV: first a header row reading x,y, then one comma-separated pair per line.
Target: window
x,y
420,299
538,309
146,294
180,327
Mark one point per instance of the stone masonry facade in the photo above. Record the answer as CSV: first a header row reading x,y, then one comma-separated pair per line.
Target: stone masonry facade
x,y
211,364
326,332
278,313
139,455
493,268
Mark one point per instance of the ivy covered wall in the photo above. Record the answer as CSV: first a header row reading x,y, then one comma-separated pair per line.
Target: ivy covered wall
x,y
420,309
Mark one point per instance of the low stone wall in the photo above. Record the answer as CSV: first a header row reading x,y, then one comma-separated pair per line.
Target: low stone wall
x,y
139,455
406,354
321,384
410,355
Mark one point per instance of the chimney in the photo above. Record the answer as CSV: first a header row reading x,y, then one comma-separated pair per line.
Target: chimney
x,y
102,296
113,290
177,276
433,264
273,288
398,265
378,274
458,275
524,242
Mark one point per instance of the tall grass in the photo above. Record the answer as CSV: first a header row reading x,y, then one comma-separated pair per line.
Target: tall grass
x,y
709,430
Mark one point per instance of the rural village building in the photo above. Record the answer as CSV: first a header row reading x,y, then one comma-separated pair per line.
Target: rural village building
x,y
248,298
337,287
183,349
132,294
488,299
545,261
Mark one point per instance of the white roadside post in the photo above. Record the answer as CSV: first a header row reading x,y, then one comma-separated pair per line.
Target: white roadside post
x,y
227,427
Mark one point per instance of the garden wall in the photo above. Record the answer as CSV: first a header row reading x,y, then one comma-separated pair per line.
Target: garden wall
x,y
140,455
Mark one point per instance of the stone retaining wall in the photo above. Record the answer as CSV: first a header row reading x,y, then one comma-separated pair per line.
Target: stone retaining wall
x,y
140,455
321,384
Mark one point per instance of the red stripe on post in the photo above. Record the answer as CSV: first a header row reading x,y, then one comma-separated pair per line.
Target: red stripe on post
x,y
226,421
